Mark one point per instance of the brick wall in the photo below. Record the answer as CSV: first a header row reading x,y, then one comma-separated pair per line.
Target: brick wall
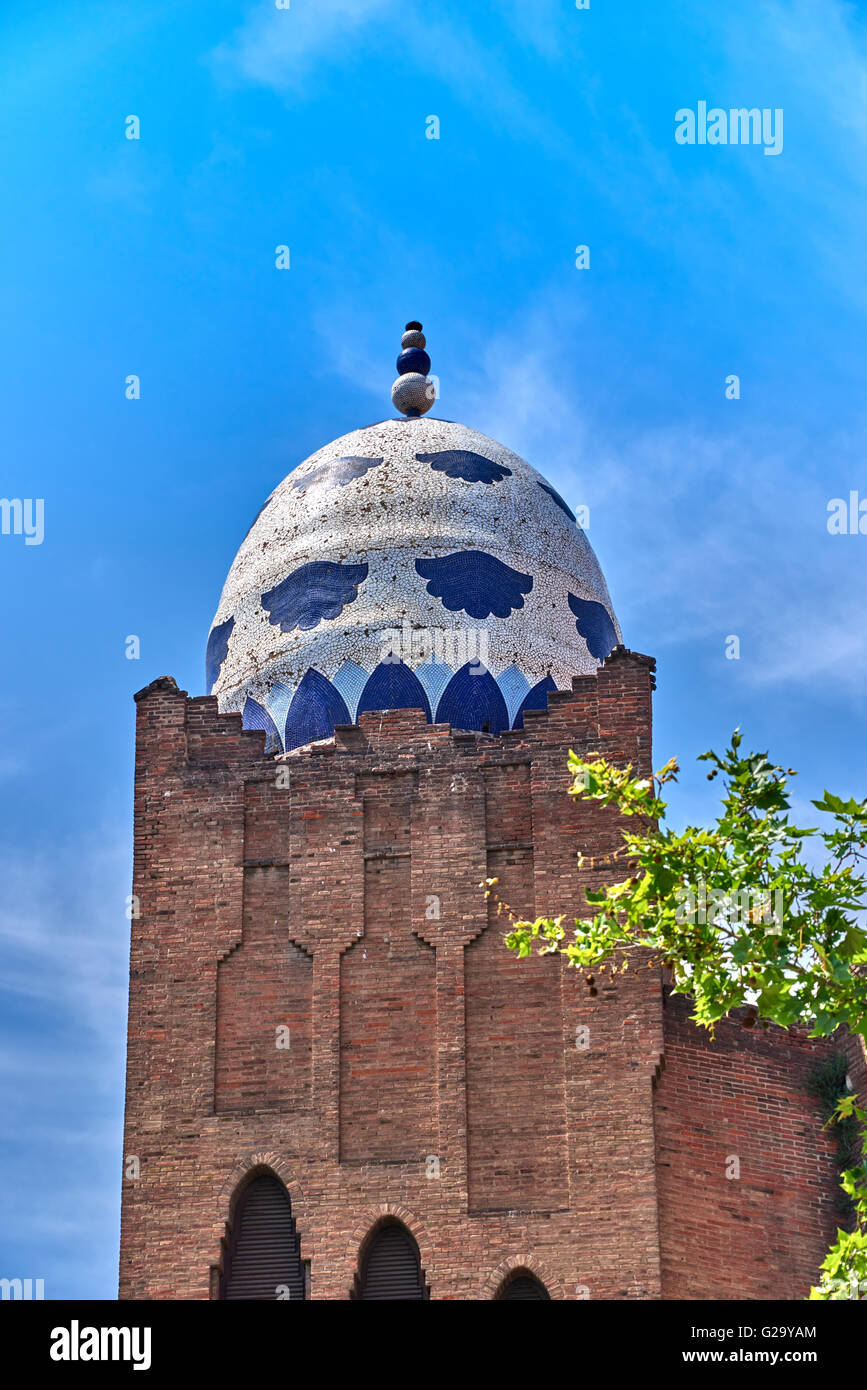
x,y
747,1178
332,898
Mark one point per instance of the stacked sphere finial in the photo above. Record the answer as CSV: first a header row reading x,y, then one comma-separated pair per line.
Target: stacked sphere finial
x,y
412,393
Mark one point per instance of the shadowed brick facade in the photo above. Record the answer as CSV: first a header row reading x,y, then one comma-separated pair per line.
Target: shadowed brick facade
x,y
332,898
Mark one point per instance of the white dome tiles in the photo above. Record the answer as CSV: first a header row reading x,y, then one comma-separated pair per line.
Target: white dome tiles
x,y
422,527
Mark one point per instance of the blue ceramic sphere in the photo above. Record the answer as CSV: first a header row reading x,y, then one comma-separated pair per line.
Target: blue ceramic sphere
x,y
413,360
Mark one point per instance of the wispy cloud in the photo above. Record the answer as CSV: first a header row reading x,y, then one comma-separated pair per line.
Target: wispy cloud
x,y
62,929
279,47
706,536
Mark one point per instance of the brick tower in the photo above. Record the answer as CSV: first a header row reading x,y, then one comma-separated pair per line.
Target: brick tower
x,y
340,1084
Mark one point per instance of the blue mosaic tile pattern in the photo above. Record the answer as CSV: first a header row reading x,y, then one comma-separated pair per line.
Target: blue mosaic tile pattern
x,y
337,473
319,590
536,698
255,717
595,626
434,677
546,487
475,582
394,686
379,505
464,463
473,700
514,685
217,651
318,704
316,708
350,681
278,702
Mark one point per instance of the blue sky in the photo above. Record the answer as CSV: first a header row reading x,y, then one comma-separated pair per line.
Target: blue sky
x,y
155,257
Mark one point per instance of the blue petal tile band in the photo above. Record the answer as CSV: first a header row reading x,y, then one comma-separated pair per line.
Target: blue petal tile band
x,y
393,686
255,717
473,700
316,708
536,698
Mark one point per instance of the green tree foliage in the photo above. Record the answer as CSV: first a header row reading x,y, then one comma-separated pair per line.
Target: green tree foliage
x,y
747,911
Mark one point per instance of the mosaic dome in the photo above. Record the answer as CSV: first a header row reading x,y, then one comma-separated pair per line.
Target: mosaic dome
x,y
413,563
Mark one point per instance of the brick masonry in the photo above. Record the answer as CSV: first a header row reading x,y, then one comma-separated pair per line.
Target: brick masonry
x,y
331,898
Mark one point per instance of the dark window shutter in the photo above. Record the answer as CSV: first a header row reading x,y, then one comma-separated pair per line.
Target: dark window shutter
x,y
523,1289
264,1252
392,1266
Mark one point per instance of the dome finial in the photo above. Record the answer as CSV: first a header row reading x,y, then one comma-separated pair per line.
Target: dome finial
x,y
412,394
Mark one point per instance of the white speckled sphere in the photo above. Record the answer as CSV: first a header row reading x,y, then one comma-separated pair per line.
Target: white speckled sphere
x,y
412,392
415,527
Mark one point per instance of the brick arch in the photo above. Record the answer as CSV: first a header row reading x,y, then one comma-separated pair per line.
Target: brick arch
x,y
246,1165
250,1166
372,1219
532,1264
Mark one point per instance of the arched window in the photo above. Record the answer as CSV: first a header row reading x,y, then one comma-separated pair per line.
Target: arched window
x,y
522,1287
391,1266
263,1259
